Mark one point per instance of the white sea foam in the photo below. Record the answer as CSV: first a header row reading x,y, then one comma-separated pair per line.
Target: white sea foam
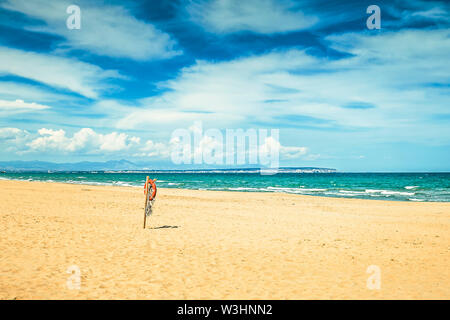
x,y
389,192
243,189
352,192
373,191
121,183
411,187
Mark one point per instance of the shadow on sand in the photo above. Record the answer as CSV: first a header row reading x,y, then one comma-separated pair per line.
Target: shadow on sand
x,y
165,227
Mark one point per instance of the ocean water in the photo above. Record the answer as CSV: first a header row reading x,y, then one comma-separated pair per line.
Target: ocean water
x,y
382,186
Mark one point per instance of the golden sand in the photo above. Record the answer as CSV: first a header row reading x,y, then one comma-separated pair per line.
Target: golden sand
x,y
217,245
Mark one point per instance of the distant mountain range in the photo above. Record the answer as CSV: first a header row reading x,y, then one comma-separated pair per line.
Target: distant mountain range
x,y
125,165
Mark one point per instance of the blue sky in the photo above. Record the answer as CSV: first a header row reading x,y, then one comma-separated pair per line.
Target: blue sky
x,y
342,96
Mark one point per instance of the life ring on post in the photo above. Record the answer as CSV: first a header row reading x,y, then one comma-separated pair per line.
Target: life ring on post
x,y
153,185
149,198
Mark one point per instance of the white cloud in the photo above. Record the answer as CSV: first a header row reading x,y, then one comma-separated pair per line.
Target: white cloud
x,y
397,74
157,118
153,149
19,106
260,16
285,152
417,11
86,140
293,152
12,133
11,90
13,139
433,13
80,77
105,30
226,92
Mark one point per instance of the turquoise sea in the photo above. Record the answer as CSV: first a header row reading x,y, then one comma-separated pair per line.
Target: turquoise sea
x,y
382,186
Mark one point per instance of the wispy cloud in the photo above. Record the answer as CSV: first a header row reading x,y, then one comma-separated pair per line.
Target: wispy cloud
x,y
10,90
106,30
60,72
418,11
388,70
19,106
260,16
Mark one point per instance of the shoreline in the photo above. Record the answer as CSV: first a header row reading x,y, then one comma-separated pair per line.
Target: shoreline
x,y
217,245
239,191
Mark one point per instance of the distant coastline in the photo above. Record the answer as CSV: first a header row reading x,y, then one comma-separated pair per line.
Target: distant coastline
x,y
125,166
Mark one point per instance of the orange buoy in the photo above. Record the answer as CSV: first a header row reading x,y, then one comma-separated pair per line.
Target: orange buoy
x,y
153,185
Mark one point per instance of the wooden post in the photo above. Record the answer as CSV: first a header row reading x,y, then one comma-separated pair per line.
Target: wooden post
x,y
146,200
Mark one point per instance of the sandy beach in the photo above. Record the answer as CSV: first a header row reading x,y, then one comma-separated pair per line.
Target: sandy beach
x,y
217,245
